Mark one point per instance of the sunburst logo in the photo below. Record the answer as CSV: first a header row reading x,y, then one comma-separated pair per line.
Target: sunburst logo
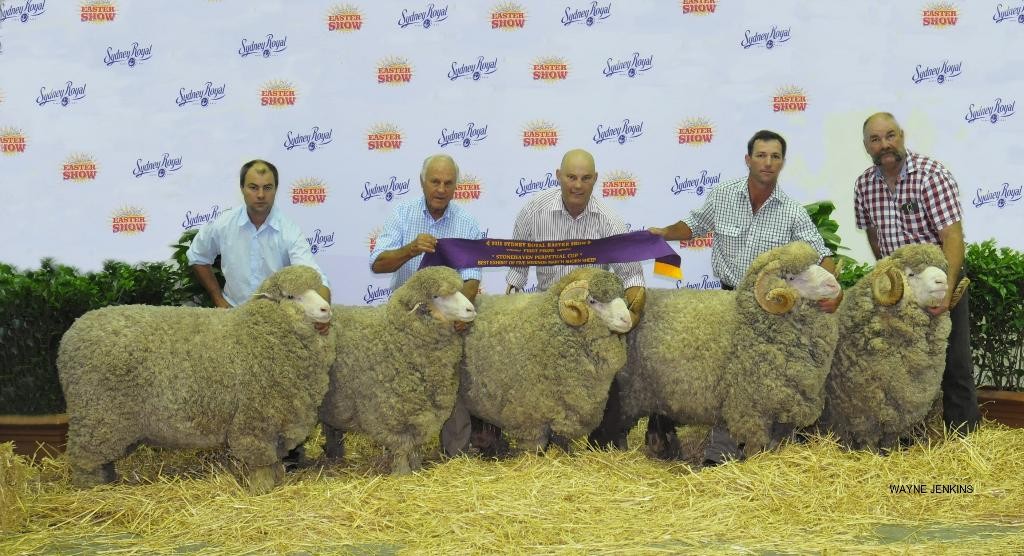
x,y
550,69
468,189
384,137
394,71
309,191
619,185
696,132
508,16
699,7
699,242
98,11
940,14
540,135
277,94
12,141
128,220
344,18
371,240
79,167
789,99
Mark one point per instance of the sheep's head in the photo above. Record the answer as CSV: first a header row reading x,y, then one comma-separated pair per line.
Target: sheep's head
x,y
297,284
436,290
785,274
592,289
918,271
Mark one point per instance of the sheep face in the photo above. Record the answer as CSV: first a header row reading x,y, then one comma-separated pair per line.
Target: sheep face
x,y
453,306
614,314
315,307
435,290
815,283
297,284
579,298
928,287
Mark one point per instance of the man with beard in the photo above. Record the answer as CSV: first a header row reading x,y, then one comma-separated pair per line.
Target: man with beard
x,y
905,198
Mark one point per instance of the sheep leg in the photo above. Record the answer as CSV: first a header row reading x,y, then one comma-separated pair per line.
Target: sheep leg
x,y
263,479
562,442
334,447
536,445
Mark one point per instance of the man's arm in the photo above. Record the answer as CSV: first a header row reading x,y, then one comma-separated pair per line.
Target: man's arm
x,y
952,238
517,275
873,242
679,231
205,277
393,259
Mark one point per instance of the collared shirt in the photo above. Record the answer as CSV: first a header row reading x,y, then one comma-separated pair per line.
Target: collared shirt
x,y
740,235
926,200
410,219
544,218
247,255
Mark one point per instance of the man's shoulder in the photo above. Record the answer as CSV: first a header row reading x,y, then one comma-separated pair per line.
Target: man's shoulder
x,y
926,164
540,201
727,190
224,220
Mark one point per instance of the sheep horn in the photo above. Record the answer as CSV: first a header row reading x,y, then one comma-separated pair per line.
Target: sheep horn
x,y
887,274
572,305
776,301
961,287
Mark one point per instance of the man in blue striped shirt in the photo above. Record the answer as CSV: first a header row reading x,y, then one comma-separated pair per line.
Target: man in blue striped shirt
x,y
412,230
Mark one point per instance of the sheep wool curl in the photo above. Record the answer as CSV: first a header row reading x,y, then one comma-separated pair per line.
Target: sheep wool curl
x,y
887,370
396,375
249,378
754,359
535,375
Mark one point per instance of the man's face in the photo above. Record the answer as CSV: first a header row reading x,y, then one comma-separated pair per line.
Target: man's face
x,y
438,186
259,190
883,140
577,177
765,162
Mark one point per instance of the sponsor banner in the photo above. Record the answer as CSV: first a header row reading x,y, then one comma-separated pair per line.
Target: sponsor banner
x,y
79,168
766,38
695,132
699,7
468,189
384,137
277,94
21,10
529,186
994,112
550,69
938,73
789,99
64,95
508,16
263,47
587,14
387,190
128,221
320,240
424,17
473,70
629,66
344,18
394,71
1011,11
618,132
468,136
1000,197
202,95
195,219
129,55
540,135
309,191
161,167
309,139
940,14
618,184
698,185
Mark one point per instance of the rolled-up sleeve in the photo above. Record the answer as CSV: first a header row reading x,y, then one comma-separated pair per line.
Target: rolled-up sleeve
x,y
299,254
390,237
205,247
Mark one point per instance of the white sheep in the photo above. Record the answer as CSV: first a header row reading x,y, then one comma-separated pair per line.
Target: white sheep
x,y
753,359
396,375
887,370
539,365
249,378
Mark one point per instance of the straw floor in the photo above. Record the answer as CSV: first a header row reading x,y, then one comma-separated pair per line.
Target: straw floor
x,y
804,498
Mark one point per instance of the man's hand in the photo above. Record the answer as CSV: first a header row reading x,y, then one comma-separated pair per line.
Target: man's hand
x,y
460,326
636,300
658,231
424,243
322,327
830,305
221,303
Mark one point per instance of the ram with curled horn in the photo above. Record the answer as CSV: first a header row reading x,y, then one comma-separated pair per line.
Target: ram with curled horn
x,y
539,365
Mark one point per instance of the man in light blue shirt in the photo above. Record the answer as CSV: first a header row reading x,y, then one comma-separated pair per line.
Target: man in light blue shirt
x,y
412,230
253,241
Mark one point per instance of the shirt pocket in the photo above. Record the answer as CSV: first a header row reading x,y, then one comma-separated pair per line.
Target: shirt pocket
x,y
732,237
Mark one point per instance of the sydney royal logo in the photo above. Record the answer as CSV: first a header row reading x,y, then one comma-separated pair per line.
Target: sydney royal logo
x,y
508,16
79,167
619,184
476,71
319,241
695,132
310,140
550,69
394,71
129,56
278,94
69,93
699,7
540,135
468,189
426,18
264,47
587,15
940,14
938,73
194,219
619,132
159,168
128,221
12,141
375,294
789,99
387,190
993,112
201,96
999,198
344,19
22,10
1009,12
698,185
631,66
98,11
766,39
384,137
467,137
528,186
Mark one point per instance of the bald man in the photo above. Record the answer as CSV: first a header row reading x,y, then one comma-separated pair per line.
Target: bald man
x,y
905,198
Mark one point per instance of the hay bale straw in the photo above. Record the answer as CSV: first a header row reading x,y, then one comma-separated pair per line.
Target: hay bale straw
x,y
16,475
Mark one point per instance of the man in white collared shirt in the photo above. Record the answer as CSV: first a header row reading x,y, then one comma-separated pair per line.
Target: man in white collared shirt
x,y
253,241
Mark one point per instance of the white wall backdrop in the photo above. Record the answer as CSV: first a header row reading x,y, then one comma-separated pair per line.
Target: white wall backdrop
x,y
115,114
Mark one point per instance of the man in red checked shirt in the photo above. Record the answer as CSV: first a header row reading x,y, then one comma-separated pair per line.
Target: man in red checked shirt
x,y
909,198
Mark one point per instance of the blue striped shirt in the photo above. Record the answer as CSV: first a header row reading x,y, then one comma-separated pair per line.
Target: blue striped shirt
x,y
411,219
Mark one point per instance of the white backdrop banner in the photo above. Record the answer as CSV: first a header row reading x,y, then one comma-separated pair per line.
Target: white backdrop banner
x,y
124,123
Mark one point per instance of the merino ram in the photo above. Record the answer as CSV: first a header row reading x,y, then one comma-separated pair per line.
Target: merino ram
x,y
249,378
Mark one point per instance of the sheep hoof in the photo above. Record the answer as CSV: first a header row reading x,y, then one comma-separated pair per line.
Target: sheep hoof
x,y
88,478
262,480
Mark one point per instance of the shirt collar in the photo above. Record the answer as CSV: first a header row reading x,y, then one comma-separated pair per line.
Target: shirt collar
x,y
909,167
555,204
449,210
273,219
744,192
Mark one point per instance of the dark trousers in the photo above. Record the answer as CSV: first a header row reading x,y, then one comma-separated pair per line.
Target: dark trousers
x,y
959,396
612,430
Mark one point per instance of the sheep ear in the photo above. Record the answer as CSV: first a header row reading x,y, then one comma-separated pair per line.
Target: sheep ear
x,y
572,303
776,301
263,295
887,283
961,287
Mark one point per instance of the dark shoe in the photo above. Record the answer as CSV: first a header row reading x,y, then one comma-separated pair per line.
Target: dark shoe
x,y
663,445
296,459
710,463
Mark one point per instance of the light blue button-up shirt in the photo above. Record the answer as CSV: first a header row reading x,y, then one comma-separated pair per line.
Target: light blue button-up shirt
x,y
411,219
247,255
